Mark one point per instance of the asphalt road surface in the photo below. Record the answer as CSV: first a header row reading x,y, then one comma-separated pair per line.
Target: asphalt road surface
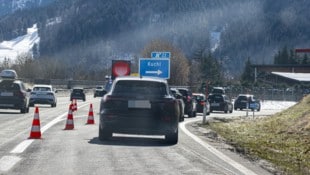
x,y
79,151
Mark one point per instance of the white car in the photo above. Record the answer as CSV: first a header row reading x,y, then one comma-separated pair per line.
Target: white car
x,y
42,94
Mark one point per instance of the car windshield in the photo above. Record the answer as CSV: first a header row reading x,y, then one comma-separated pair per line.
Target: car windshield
x,y
140,87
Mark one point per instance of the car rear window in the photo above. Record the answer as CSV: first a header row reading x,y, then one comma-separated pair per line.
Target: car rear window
x,y
41,89
216,98
199,97
130,87
78,90
184,92
243,98
6,85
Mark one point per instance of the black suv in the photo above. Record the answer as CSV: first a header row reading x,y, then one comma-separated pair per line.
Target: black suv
x,y
13,95
137,105
189,101
78,94
220,102
99,91
247,101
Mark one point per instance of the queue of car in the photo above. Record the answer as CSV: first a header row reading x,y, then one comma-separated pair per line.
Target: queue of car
x,y
134,105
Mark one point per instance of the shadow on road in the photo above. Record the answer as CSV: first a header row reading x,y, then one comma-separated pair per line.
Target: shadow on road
x,y
131,141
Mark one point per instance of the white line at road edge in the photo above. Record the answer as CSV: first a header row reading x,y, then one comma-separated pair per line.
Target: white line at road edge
x,y
217,153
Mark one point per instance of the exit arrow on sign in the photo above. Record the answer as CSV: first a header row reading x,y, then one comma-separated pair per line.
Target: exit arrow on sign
x,y
158,72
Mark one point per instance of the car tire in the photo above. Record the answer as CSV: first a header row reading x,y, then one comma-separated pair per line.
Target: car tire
x,y
104,134
190,114
53,105
23,110
172,138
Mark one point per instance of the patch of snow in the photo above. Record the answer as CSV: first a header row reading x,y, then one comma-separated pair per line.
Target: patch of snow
x,y
276,105
20,45
215,40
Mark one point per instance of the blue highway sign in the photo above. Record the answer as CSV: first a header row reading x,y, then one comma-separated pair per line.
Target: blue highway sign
x,y
160,55
154,68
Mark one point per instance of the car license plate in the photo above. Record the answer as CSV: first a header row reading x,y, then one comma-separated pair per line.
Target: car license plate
x,y
215,104
6,94
6,105
139,104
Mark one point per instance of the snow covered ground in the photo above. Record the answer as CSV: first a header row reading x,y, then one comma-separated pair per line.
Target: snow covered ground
x,y
20,45
276,105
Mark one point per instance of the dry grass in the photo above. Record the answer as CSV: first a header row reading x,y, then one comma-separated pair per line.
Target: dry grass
x,y
283,139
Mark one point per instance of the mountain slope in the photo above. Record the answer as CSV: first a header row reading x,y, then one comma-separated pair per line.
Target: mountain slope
x,y
101,30
10,6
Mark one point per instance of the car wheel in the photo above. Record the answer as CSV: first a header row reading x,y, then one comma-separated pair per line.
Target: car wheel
x,y
172,138
53,105
104,134
195,114
226,109
190,114
181,118
23,110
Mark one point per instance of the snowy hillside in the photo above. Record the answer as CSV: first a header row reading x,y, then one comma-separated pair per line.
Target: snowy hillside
x,y
20,45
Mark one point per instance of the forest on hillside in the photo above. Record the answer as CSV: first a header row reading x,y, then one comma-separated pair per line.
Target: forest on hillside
x,y
94,32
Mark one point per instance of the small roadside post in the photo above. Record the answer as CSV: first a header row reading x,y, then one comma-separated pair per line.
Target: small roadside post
x,y
247,109
204,106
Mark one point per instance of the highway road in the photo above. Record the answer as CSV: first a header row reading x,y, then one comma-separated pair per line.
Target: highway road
x,y
79,151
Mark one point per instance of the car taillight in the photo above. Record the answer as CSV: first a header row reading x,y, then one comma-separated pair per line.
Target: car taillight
x,y
188,98
110,97
202,103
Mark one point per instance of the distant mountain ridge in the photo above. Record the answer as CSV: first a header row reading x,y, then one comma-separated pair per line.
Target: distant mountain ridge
x,y
10,6
93,32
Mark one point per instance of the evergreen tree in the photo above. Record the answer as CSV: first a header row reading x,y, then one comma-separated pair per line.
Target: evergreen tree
x,y
247,77
211,70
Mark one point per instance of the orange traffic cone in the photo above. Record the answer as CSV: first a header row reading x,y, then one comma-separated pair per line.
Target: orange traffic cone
x,y
35,129
70,123
90,119
74,105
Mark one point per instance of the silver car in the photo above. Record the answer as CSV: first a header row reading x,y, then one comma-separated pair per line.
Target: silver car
x,y
43,94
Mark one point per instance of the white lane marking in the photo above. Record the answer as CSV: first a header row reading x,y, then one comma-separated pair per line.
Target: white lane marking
x,y
7,162
217,153
24,145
